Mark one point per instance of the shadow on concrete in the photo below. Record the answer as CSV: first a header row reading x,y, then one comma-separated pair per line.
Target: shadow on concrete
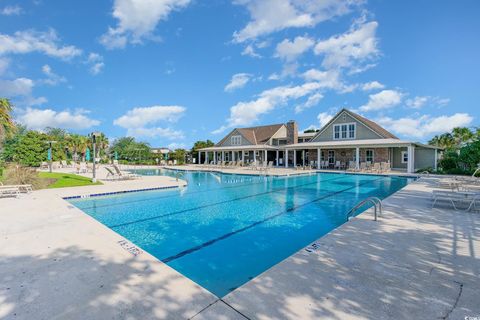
x,y
71,283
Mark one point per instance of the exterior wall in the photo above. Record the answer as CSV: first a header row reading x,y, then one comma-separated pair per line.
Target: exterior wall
x,y
292,132
424,158
397,158
280,134
346,155
228,141
362,132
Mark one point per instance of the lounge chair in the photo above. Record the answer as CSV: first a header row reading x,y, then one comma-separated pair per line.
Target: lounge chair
x,y
363,166
338,165
9,191
111,175
125,175
469,199
385,166
352,166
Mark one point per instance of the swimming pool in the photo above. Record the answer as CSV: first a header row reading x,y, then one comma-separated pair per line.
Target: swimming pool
x,y
223,230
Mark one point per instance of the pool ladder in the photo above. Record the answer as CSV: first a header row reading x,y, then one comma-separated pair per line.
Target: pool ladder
x,y
377,205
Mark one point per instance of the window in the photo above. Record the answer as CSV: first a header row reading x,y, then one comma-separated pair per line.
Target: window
x,y
404,156
369,155
331,156
236,140
344,131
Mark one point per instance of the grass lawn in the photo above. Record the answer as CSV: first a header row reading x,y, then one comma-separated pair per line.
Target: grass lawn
x,y
63,180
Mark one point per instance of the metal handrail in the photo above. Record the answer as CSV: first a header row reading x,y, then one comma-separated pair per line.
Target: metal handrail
x,y
178,174
475,172
374,200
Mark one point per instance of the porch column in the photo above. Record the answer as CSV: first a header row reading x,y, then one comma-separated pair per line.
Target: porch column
x,y
255,157
206,157
411,159
294,158
266,158
286,158
319,157
276,159
214,157
223,156
436,160
357,158
303,157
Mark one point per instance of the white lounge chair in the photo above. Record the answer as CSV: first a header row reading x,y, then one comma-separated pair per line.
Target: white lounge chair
x,y
9,191
469,199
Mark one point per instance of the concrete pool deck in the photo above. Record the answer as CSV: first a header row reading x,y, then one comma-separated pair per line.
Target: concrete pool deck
x,y
415,262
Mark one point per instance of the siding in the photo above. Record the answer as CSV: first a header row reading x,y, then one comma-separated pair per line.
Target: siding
x,y
363,132
397,158
424,158
228,141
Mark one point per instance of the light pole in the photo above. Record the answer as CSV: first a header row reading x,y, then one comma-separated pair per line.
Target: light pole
x,y
94,143
50,154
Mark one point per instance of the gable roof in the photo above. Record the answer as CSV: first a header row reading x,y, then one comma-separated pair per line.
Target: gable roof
x,y
255,135
368,123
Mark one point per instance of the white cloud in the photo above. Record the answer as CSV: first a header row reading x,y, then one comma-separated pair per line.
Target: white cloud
x,y
327,79
4,64
423,126
52,78
373,85
324,118
96,63
28,41
250,51
16,88
155,132
175,146
269,16
383,100
357,45
140,117
312,100
12,10
420,101
238,81
290,50
246,113
137,20
41,118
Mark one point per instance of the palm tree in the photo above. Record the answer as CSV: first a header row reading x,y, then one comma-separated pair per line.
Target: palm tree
x,y
462,135
7,126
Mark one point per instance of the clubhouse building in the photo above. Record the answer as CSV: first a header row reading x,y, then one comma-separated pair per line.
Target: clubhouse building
x,y
348,139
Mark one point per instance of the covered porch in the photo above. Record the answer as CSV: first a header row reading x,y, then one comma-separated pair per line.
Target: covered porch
x,y
363,155
242,155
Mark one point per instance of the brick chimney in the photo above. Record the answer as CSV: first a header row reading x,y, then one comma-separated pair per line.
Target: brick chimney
x,y
292,132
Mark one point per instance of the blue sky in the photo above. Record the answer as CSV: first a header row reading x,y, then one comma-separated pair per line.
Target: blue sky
x,y
171,72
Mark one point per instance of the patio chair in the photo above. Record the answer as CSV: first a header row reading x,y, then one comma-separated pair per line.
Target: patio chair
x,y
125,175
386,167
337,165
377,167
9,191
469,199
111,175
363,166
82,167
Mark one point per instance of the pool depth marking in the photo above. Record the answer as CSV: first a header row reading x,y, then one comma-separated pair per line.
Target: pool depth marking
x,y
217,203
228,235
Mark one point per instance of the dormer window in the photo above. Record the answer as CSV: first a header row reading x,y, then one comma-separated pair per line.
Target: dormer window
x,y
236,140
344,131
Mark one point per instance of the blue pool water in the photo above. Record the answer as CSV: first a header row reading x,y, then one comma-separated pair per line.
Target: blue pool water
x,y
223,230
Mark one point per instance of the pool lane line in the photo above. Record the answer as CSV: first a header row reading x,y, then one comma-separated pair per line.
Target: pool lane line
x,y
228,235
171,196
216,203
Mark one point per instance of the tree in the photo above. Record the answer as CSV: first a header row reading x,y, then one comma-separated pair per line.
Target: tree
x,y
31,149
462,135
445,141
311,130
130,150
200,145
179,155
470,155
7,126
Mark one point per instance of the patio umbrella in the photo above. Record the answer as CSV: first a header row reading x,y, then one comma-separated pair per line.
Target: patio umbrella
x,y
116,155
49,155
87,155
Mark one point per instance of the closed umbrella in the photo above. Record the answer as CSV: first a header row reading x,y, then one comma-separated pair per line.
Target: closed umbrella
x,y
116,155
87,155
